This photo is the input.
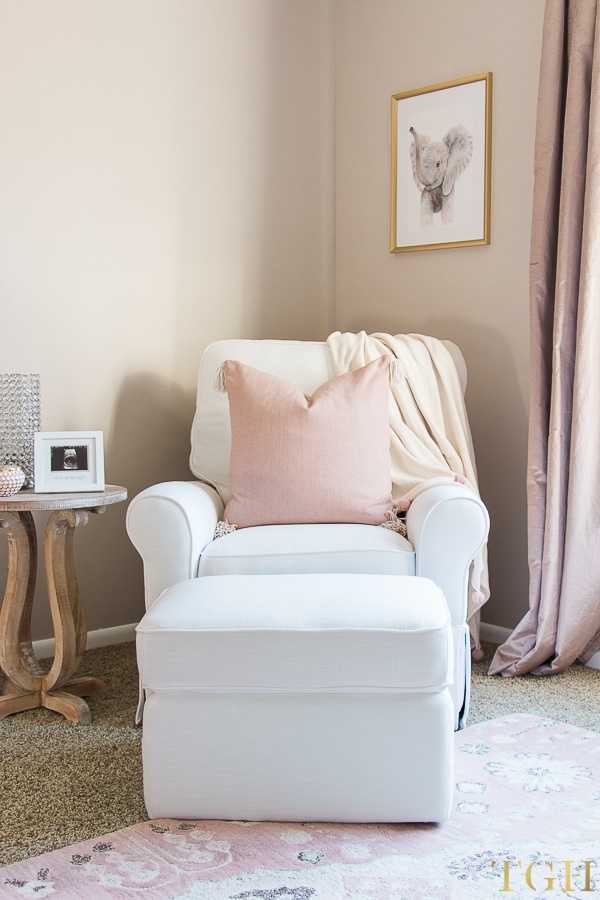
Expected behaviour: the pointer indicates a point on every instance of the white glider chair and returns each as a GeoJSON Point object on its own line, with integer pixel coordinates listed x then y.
{"type": "Point", "coordinates": [211, 695]}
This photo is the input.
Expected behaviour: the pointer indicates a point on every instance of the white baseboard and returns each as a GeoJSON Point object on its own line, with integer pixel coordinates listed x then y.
{"type": "Point", "coordinates": [120, 634]}
{"type": "Point", "coordinates": [594, 661]}
{"type": "Point", "coordinates": [497, 634]}
{"type": "Point", "coordinates": [103, 637]}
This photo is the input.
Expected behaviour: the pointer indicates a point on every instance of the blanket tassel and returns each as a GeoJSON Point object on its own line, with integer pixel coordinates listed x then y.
{"type": "Point", "coordinates": [397, 370]}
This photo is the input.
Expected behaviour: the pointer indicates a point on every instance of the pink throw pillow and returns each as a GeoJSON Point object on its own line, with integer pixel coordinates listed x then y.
{"type": "Point", "coordinates": [301, 460]}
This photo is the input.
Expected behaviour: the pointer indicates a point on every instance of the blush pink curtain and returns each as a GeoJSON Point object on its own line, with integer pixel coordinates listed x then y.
{"type": "Point", "coordinates": [563, 622]}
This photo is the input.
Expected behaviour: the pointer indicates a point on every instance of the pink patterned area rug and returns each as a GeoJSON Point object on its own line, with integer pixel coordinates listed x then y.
{"type": "Point", "coordinates": [526, 819]}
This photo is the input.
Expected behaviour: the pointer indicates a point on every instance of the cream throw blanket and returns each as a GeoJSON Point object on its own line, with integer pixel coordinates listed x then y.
{"type": "Point", "coordinates": [430, 435]}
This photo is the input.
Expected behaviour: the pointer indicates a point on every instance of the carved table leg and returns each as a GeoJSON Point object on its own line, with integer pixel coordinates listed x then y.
{"type": "Point", "coordinates": [68, 616]}
{"type": "Point", "coordinates": [28, 686]}
{"type": "Point", "coordinates": [17, 658]}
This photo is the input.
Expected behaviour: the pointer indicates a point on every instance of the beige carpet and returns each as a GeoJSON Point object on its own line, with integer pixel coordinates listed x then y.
{"type": "Point", "coordinates": [61, 783]}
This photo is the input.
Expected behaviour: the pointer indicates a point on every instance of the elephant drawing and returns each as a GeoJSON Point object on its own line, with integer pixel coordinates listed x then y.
{"type": "Point", "coordinates": [436, 166]}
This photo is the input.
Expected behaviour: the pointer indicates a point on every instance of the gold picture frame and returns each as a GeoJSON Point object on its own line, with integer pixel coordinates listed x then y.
{"type": "Point", "coordinates": [430, 207]}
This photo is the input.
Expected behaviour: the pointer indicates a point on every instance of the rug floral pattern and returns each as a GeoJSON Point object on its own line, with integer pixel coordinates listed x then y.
{"type": "Point", "coordinates": [526, 820]}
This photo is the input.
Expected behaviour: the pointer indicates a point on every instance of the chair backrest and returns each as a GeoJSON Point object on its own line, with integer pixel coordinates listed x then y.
{"type": "Point", "coordinates": [305, 363]}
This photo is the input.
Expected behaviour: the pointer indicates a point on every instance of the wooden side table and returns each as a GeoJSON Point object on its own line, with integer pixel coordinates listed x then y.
{"type": "Point", "coordinates": [27, 685]}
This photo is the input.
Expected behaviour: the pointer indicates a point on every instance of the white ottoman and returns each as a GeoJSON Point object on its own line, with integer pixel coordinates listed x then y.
{"type": "Point", "coordinates": [298, 698]}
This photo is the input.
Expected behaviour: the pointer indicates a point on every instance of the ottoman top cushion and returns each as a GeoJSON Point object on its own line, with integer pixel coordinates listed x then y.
{"type": "Point", "coordinates": [308, 632]}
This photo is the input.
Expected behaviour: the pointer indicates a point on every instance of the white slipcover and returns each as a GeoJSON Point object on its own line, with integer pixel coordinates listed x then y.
{"type": "Point", "coordinates": [299, 757]}
{"type": "Point", "coordinates": [285, 549]}
{"type": "Point", "coordinates": [295, 698]}
{"type": "Point", "coordinates": [301, 633]}
{"type": "Point", "coordinates": [172, 524]}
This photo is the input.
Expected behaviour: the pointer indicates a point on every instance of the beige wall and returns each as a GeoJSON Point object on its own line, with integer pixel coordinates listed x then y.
{"type": "Point", "coordinates": [166, 179]}
{"type": "Point", "coordinates": [477, 297]}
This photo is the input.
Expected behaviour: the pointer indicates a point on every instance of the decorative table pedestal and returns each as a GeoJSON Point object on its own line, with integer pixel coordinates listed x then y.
{"type": "Point", "coordinates": [27, 685]}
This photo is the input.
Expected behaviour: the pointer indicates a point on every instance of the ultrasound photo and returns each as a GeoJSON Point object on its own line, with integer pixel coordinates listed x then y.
{"type": "Point", "coordinates": [69, 459]}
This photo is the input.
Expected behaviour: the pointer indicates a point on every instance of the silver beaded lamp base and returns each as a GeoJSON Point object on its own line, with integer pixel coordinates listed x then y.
{"type": "Point", "coordinates": [19, 420]}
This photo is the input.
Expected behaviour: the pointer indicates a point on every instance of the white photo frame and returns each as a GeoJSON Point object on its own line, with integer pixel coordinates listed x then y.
{"type": "Point", "coordinates": [68, 461]}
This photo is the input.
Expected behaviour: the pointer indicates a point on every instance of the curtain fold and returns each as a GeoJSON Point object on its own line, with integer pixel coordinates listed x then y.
{"type": "Point", "coordinates": [563, 486]}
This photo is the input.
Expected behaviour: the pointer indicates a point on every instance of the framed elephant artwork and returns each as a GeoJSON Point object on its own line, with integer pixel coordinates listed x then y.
{"type": "Point", "coordinates": [441, 165]}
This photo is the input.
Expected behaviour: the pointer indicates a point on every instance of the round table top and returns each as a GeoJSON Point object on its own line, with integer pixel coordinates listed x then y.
{"type": "Point", "coordinates": [28, 499]}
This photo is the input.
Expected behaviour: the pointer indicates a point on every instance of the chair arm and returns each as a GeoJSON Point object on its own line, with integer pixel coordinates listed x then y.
{"type": "Point", "coordinates": [170, 524]}
{"type": "Point", "coordinates": [447, 526]}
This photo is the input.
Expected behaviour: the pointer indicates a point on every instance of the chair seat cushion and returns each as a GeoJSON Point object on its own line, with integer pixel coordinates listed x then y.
{"type": "Point", "coordinates": [301, 549]}
{"type": "Point", "coordinates": [332, 632]}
